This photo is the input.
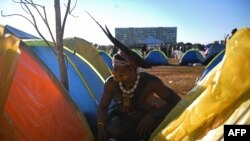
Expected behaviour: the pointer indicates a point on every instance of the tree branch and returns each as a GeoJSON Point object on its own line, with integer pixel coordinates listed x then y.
{"type": "Point", "coordinates": [65, 16]}
{"type": "Point", "coordinates": [43, 17]}
{"type": "Point", "coordinates": [71, 10]}
{"type": "Point", "coordinates": [9, 15]}
{"type": "Point", "coordinates": [45, 20]}
{"type": "Point", "coordinates": [24, 4]}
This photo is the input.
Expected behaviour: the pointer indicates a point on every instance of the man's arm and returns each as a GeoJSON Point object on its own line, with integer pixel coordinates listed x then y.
{"type": "Point", "coordinates": [167, 95]}
{"type": "Point", "coordinates": [147, 124]}
{"type": "Point", "coordinates": [102, 113]}
{"type": "Point", "coordinates": [105, 101]}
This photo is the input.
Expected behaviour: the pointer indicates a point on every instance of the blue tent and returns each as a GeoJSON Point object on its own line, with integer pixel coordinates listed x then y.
{"type": "Point", "coordinates": [213, 51]}
{"type": "Point", "coordinates": [85, 84]}
{"type": "Point", "coordinates": [156, 57]}
{"type": "Point", "coordinates": [212, 64]}
{"type": "Point", "coordinates": [90, 53]}
{"type": "Point", "coordinates": [191, 56]}
{"type": "Point", "coordinates": [18, 33]}
{"type": "Point", "coordinates": [107, 59]}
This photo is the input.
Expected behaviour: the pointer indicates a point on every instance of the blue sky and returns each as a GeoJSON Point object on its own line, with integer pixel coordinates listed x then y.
{"type": "Point", "coordinates": [197, 21]}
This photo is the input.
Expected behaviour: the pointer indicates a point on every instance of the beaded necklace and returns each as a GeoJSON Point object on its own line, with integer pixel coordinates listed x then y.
{"type": "Point", "coordinates": [128, 94]}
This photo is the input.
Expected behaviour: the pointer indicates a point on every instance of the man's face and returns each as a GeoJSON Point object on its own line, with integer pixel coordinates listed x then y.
{"type": "Point", "coordinates": [121, 73]}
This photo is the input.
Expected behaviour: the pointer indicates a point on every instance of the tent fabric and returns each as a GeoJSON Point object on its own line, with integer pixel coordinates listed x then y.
{"type": "Point", "coordinates": [241, 116]}
{"type": "Point", "coordinates": [107, 59]}
{"type": "Point", "coordinates": [137, 51]}
{"type": "Point", "coordinates": [213, 51]}
{"type": "Point", "coordinates": [9, 54]}
{"type": "Point", "coordinates": [217, 59]}
{"type": "Point", "coordinates": [38, 108]}
{"type": "Point", "coordinates": [88, 74]}
{"type": "Point", "coordinates": [87, 51]}
{"type": "Point", "coordinates": [1, 30]}
{"type": "Point", "coordinates": [85, 83]}
{"type": "Point", "coordinates": [191, 56]}
{"type": "Point", "coordinates": [45, 107]}
{"type": "Point", "coordinates": [18, 33]}
{"type": "Point", "coordinates": [216, 100]}
{"type": "Point", "coordinates": [156, 57]}
{"type": "Point", "coordinates": [78, 90]}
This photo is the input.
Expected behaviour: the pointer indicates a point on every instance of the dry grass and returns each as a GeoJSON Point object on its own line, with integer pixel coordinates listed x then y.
{"type": "Point", "coordinates": [180, 78]}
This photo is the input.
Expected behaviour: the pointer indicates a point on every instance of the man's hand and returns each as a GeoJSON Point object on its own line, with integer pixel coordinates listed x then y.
{"type": "Point", "coordinates": [145, 127]}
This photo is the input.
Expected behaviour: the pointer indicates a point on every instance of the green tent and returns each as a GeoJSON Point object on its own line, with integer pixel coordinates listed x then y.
{"type": "Point", "coordinates": [87, 51]}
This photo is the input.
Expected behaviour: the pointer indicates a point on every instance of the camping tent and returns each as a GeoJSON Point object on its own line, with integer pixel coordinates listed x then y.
{"type": "Point", "coordinates": [85, 82]}
{"type": "Point", "coordinates": [213, 51]}
{"type": "Point", "coordinates": [137, 51]}
{"type": "Point", "coordinates": [156, 57]}
{"type": "Point", "coordinates": [87, 51]}
{"type": "Point", "coordinates": [85, 85]}
{"type": "Point", "coordinates": [191, 56]}
{"type": "Point", "coordinates": [222, 97]}
{"type": "Point", "coordinates": [9, 46]}
{"type": "Point", "coordinates": [18, 33]}
{"type": "Point", "coordinates": [38, 107]}
{"type": "Point", "coordinates": [212, 64]}
{"type": "Point", "coordinates": [107, 59]}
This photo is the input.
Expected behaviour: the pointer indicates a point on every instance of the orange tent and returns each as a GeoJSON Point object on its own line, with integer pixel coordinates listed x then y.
{"type": "Point", "coordinates": [36, 108]}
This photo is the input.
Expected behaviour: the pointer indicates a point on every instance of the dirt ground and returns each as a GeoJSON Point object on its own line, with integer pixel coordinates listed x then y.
{"type": "Point", "coordinates": [180, 78]}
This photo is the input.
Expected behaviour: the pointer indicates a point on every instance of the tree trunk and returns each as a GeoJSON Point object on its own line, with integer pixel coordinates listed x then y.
{"type": "Point", "coordinates": [59, 46]}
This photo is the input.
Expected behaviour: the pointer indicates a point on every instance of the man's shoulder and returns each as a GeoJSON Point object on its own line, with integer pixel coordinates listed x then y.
{"type": "Point", "coordinates": [150, 78]}
{"type": "Point", "coordinates": [110, 79]}
{"type": "Point", "coordinates": [148, 75]}
{"type": "Point", "coordinates": [110, 83]}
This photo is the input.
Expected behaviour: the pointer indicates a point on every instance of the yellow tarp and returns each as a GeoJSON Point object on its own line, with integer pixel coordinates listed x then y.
{"type": "Point", "coordinates": [216, 99]}
{"type": "Point", "coordinates": [1, 30]}
{"type": "Point", "coordinates": [9, 54]}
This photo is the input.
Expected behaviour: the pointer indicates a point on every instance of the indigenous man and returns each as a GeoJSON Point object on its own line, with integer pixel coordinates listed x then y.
{"type": "Point", "coordinates": [134, 117]}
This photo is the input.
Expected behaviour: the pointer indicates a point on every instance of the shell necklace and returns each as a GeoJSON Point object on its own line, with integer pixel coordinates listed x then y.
{"type": "Point", "coordinates": [128, 94]}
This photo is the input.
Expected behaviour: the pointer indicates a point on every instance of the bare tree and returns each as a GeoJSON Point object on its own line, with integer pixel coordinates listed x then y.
{"type": "Point", "coordinates": [28, 6]}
